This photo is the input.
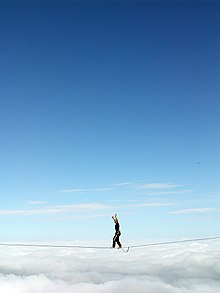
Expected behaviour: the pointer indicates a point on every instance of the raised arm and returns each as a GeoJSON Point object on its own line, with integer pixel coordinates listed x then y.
{"type": "Point", "coordinates": [115, 219]}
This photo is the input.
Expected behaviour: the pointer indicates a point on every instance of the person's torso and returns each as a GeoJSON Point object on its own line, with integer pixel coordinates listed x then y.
{"type": "Point", "coordinates": [117, 227]}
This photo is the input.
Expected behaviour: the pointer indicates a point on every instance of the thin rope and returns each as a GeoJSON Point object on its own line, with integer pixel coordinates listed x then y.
{"type": "Point", "coordinates": [52, 246]}
{"type": "Point", "coordinates": [124, 249]}
{"type": "Point", "coordinates": [174, 242]}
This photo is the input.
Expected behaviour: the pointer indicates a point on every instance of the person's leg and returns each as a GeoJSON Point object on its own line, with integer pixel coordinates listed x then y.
{"type": "Point", "coordinates": [118, 242]}
{"type": "Point", "coordinates": [114, 240]}
{"type": "Point", "coordinates": [118, 234]}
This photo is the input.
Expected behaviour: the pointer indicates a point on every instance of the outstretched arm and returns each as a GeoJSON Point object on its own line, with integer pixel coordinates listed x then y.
{"type": "Point", "coordinates": [115, 219]}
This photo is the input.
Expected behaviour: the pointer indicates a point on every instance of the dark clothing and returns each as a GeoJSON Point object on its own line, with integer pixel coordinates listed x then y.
{"type": "Point", "coordinates": [117, 235]}
{"type": "Point", "coordinates": [116, 239]}
{"type": "Point", "coordinates": [117, 227]}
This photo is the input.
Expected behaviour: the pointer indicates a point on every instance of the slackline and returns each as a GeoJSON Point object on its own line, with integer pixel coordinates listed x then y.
{"type": "Point", "coordinates": [125, 248]}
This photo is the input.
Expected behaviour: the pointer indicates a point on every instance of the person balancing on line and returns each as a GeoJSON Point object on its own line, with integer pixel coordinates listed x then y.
{"type": "Point", "coordinates": [117, 232]}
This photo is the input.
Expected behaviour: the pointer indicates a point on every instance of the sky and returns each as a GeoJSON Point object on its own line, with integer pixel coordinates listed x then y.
{"type": "Point", "coordinates": [109, 107]}
{"type": "Point", "coordinates": [179, 268]}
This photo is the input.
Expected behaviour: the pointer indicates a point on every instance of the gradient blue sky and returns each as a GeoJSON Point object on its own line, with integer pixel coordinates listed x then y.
{"type": "Point", "coordinates": [109, 106]}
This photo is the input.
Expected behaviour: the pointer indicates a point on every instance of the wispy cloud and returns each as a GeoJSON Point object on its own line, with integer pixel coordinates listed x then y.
{"type": "Point", "coordinates": [149, 204]}
{"type": "Point", "coordinates": [86, 208]}
{"type": "Point", "coordinates": [73, 190]}
{"type": "Point", "coordinates": [57, 209]}
{"type": "Point", "coordinates": [79, 217]}
{"type": "Point", "coordinates": [85, 190]}
{"type": "Point", "coordinates": [195, 210]}
{"type": "Point", "coordinates": [36, 202]}
{"type": "Point", "coordinates": [159, 186]}
{"type": "Point", "coordinates": [170, 192]}
{"type": "Point", "coordinates": [167, 187]}
{"type": "Point", "coordinates": [122, 184]}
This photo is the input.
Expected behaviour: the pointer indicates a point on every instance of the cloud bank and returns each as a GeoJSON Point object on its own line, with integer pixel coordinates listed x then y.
{"type": "Point", "coordinates": [177, 268]}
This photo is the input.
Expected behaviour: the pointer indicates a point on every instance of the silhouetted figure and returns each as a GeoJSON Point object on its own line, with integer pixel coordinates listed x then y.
{"type": "Point", "coordinates": [117, 232]}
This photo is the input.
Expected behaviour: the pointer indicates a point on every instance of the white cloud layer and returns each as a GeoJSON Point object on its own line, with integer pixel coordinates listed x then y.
{"type": "Point", "coordinates": [177, 268]}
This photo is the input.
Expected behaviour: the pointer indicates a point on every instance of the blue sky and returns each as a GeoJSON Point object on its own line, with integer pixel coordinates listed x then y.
{"type": "Point", "coordinates": [109, 107]}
